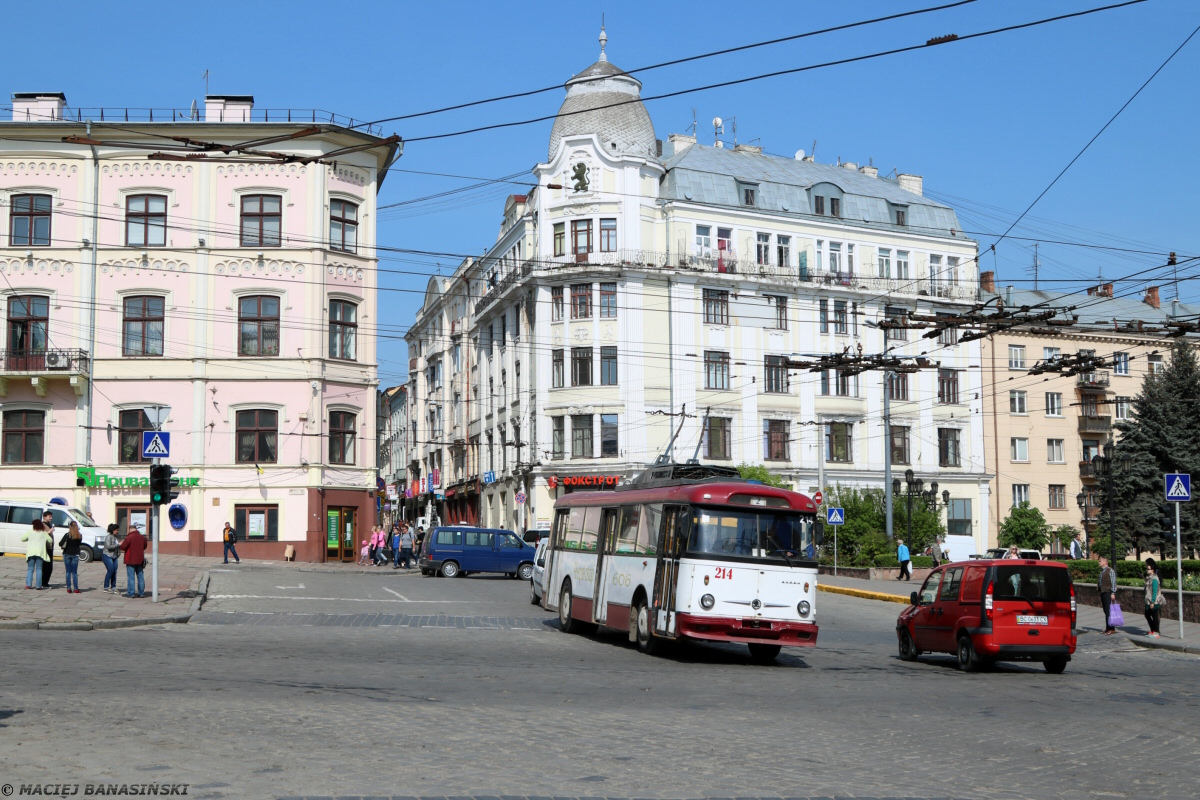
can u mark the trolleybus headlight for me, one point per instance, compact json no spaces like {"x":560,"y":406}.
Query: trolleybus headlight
{"x":707,"y":602}
{"x":804,"y":607}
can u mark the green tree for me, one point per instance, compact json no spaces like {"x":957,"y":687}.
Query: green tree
{"x":758,"y":472}
{"x":1064,"y":535}
{"x":1024,"y":527}
{"x":863,"y":537}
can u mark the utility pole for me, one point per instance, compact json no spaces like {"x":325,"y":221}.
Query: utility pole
{"x":887,"y":452}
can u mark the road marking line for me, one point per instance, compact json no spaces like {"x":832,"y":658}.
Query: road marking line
{"x":301,"y":586}
{"x":341,"y":599}
{"x":402,"y":597}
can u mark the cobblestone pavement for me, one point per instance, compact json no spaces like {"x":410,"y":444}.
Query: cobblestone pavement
{"x":295,"y":709}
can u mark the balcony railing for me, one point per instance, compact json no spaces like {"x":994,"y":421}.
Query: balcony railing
{"x":1093,"y":424}
{"x":1087,"y":469}
{"x":1092,"y":380}
{"x":119,"y":114}
{"x":44,"y":362}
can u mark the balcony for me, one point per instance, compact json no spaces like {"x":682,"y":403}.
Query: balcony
{"x":1092,"y":380}
{"x":1087,"y":469}
{"x":1095,"y":424}
{"x":43,"y":366}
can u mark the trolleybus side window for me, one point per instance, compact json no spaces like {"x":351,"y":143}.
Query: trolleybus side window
{"x":591,"y":530}
{"x":574,"y":532}
{"x":560,"y":529}
{"x":610,"y":522}
{"x":627,"y":537}
{"x":648,"y":527}
{"x":674,"y":532}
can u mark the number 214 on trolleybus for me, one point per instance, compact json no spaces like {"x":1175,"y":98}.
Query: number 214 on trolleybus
{"x":687,"y":552}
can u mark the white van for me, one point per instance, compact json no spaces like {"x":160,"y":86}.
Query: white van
{"x":17,"y":516}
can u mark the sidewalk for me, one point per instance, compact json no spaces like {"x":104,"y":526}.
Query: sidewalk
{"x":1088,"y":618}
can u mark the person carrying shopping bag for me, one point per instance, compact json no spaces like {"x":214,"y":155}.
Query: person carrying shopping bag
{"x":1107,"y":587}
{"x":1155,"y":599}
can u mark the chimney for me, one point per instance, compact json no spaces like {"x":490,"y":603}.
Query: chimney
{"x":228,"y":107}
{"x":911,"y":183}
{"x":870,"y":172}
{"x":38,"y":106}
{"x":987,"y":281}
{"x":849,"y":165}
{"x":1105,"y":290}
{"x":677,"y":143}
{"x":1151,"y":298}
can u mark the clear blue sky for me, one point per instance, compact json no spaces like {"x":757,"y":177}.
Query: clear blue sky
{"x":988,"y":123}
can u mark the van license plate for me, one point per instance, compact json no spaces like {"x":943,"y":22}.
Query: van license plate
{"x":1029,"y":619}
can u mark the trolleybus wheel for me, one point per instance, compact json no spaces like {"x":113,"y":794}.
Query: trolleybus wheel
{"x":647,"y":642}
{"x":764,"y":653}
{"x":566,"y":622}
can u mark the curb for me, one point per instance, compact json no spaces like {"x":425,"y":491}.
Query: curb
{"x":886,"y":598}
{"x":200,"y":586}
{"x":1159,"y":644}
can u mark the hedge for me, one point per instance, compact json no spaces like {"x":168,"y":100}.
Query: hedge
{"x":1088,"y":570}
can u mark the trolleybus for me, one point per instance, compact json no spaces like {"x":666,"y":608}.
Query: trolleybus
{"x":687,"y":552}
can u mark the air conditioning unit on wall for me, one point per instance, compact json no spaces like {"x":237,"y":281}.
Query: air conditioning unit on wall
{"x":56,"y":359}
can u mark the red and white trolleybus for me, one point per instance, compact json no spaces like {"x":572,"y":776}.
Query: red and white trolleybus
{"x":687,"y":552}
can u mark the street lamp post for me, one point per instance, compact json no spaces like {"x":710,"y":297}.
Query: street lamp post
{"x":915,"y":487}
{"x":1106,"y":466}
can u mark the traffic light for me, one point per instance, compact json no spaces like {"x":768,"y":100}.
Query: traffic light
{"x":162,"y":485}
{"x":1167,"y":521}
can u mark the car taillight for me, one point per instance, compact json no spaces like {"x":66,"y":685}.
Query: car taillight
{"x":987,"y":600}
{"x":1072,"y":605}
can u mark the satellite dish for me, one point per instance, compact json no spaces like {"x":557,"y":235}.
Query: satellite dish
{"x":799,"y":155}
{"x":716,"y":122}
{"x":194,"y":114}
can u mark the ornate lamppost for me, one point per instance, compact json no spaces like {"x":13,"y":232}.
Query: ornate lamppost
{"x":915,"y":488}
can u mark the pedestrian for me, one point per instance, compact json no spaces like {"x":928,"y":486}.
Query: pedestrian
{"x":381,"y":539}
{"x":406,"y":548}
{"x":48,"y":564}
{"x":373,"y":544}
{"x":396,"y":546}
{"x":1012,"y":554}
{"x":905,"y":561}
{"x":35,"y":554}
{"x":364,"y":553}
{"x":1076,"y":547}
{"x":1155,"y":599}
{"x":420,"y":539}
{"x":71,"y":543}
{"x":229,"y":540}
{"x":134,"y":546}
{"x":109,"y":555}
{"x":933,"y":554}
{"x":1107,"y":587}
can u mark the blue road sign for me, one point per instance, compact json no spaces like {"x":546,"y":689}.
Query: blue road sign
{"x":156,"y":444}
{"x":1179,"y":486}
{"x":489,"y":477}
{"x":835,"y":516}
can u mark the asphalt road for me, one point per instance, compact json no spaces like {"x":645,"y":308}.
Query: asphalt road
{"x":318,"y":684}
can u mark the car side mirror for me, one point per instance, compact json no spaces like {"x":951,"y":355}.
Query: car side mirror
{"x":914,"y":599}
{"x":819,"y":533}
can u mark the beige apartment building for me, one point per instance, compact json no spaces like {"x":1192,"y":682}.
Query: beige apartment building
{"x":1042,"y":430}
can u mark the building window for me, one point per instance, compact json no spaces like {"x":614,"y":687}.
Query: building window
{"x":1020,"y":494}
{"x":131,"y":424}
{"x":343,"y":329}
{"x":560,"y":238}
{"x":341,"y":437}
{"x":775,"y":377}
{"x":261,"y":220}
{"x":24,"y":436}
{"x":897,"y":319}
{"x":608,"y":436}
{"x":1055,"y":452}
{"x":142,"y":327}
{"x":747,"y":196}
{"x":902,"y":265}
{"x":947,"y":386}
{"x":1016,"y":356}
{"x":900,"y":445}
{"x":29,"y":220}
{"x":901,"y":217}
{"x":716,"y":369}
{"x":835,"y":258}
{"x":716,"y":437}
{"x":958,"y":517}
{"x":844,"y":384}
{"x":885,"y":263}
{"x":28,"y":323}
{"x":343,"y":226}
{"x":1155,"y":364}
{"x":1121,"y":363}
{"x":256,"y":523}
{"x":1051,"y":353}
{"x":835,"y":207}
{"x":840,"y":324}
{"x":581,"y":436}
{"x":1016,"y":402}
{"x":581,"y":366}
{"x":783,"y":251}
{"x":780,"y":304}
{"x":1058,"y":495}
{"x":558,"y":437}
{"x":703,"y":240}
{"x":608,"y":366}
{"x":716,"y":306}
{"x":898,"y":386}
{"x":1122,"y":407}
{"x":948,"y":448}
{"x":556,"y":369}
{"x":608,"y":300}
{"x":581,"y":301}
{"x":608,"y":236}
{"x":823,"y":315}
{"x":775,"y":440}
{"x":581,"y":236}
{"x":258,"y":326}
{"x":145,"y":220}
{"x":257,"y":434}
{"x":1053,"y":404}
{"x":819,"y":205}
{"x":1018,"y":448}
{"x":556,"y":303}
{"x":762,"y":249}
{"x":838,"y":441}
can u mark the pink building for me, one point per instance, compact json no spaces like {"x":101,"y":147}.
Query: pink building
{"x":238,"y":287}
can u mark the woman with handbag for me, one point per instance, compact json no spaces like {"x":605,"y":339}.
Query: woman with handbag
{"x":111,"y":555}
{"x":1155,"y":599}
{"x":71,"y":543}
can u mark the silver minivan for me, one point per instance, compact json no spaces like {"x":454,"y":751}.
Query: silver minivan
{"x":17,"y":516}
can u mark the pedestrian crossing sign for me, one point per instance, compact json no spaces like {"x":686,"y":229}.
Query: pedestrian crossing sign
{"x":156,"y":444}
{"x":1179,"y":486}
{"x":835,"y":516}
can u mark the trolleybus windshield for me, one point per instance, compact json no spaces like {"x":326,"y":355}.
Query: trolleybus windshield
{"x":750,"y":534}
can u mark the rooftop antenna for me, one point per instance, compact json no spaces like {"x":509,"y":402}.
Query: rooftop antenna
{"x":718,"y":129}
{"x":733,"y":126}
{"x":693,"y":123}
{"x":1173,"y":262}
{"x":1036,"y":264}
{"x":814,"y":150}
{"x":205,"y":78}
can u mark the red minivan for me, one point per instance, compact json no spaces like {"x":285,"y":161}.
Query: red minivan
{"x":993,"y":610}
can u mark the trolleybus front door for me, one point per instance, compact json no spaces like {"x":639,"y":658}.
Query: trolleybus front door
{"x":610,"y":521}
{"x":671,"y":542}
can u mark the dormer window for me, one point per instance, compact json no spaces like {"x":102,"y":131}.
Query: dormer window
{"x":835,"y":207}
{"x":748,"y":193}
{"x":819,"y":205}
{"x":899,"y":215}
